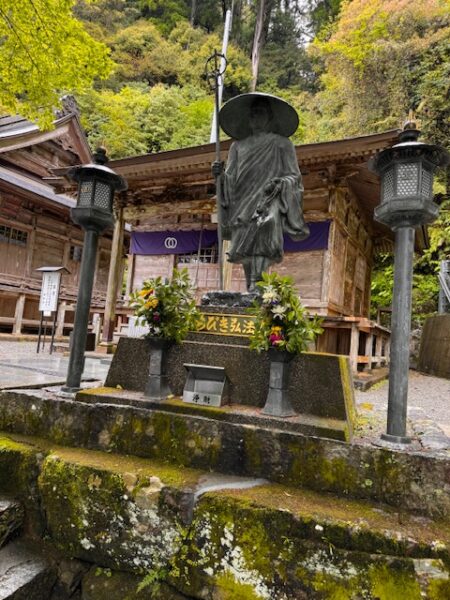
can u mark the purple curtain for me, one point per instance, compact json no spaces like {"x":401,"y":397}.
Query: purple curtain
{"x":184,"y":242}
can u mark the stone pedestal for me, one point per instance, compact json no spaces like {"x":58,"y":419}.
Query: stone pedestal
{"x":157,"y":386}
{"x":229,"y":299}
{"x":277,"y":403}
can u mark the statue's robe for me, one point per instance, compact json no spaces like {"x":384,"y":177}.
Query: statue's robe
{"x":255,"y":220}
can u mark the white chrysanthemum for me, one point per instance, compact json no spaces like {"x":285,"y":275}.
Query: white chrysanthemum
{"x":270,"y":295}
{"x":278,"y":311}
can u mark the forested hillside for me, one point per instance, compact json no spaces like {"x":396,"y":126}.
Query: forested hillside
{"x":136,"y":67}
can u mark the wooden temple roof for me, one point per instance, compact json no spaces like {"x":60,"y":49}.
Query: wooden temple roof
{"x":184,"y":176}
{"x":28,"y":155}
{"x":26,"y":148}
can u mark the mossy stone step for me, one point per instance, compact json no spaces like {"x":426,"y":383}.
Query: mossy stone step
{"x":273,"y":542}
{"x":24,"y":573}
{"x":103,"y":584}
{"x":11,"y":518}
{"x":345,"y":523}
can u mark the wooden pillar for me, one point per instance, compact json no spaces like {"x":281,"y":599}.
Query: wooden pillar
{"x":113,"y":284}
{"x":60,"y":319}
{"x":130,"y":275}
{"x":368,"y":351}
{"x":387,"y":350}
{"x":18,"y":314}
{"x":378,"y":346}
{"x":30,"y":250}
{"x":354,"y":343}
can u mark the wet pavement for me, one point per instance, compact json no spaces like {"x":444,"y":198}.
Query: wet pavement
{"x":21,"y":366}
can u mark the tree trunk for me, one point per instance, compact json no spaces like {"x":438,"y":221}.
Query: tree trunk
{"x":193,"y":12}
{"x":261,"y":27}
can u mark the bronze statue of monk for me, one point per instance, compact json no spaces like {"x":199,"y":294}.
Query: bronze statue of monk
{"x":262,"y":188}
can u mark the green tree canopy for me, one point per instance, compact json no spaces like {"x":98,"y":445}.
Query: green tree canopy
{"x":44,"y":53}
{"x":381,"y":59}
{"x":141,"y":119}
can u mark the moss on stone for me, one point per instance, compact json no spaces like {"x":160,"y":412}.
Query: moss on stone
{"x":97,"y":391}
{"x":282,"y":542}
{"x":439,"y":589}
{"x":349,"y":523}
{"x":227,"y":588}
{"x":310,"y":467}
{"x":252,"y":449}
{"x":92,"y":514}
{"x":393,"y":583}
{"x":331,"y":589}
{"x":18,"y":467}
{"x":349,"y":396}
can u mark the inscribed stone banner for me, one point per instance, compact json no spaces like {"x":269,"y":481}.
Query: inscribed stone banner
{"x":226,"y":324}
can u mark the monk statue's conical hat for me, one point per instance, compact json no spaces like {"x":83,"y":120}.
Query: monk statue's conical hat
{"x":234,"y":115}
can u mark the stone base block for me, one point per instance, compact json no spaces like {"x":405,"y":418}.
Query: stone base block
{"x":320,"y":385}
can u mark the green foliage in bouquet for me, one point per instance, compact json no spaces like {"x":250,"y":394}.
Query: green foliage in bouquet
{"x":167,"y":307}
{"x":281,"y":320}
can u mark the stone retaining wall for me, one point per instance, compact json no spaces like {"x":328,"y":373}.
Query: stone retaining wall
{"x":404,"y":479}
{"x":138,"y":521}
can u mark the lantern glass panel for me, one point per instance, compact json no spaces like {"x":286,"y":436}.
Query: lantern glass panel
{"x":407,"y":179}
{"x":102,"y":196}
{"x":427,"y":183}
{"x":388,"y":185}
{"x":85,"y":193}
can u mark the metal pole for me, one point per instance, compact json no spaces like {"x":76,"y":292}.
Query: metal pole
{"x":223,"y":66}
{"x":218,"y":182}
{"x":53,"y":332}
{"x":79,"y":333}
{"x":401,"y":328}
{"x":45,"y":332}
{"x":40,"y":332}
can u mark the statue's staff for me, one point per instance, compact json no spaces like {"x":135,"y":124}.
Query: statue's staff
{"x":214,"y":73}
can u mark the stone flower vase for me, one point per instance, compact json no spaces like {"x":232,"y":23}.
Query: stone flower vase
{"x":277,"y":402}
{"x":157,"y":386}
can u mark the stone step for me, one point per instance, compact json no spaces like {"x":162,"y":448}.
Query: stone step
{"x":281,"y":543}
{"x":11,"y":518}
{"x":195,"y":530}
{"x":24,"y":573}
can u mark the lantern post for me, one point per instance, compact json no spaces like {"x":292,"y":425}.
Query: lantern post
{"x":94,"y":213}
{"x":406,"y":171}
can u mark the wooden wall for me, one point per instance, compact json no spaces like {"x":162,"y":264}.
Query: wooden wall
{"x":51,"y":240}
{"x":351,"y":257}
{"x":333,"y":281}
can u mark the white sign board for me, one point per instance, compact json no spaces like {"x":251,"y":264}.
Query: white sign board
{"x":49,"y":291}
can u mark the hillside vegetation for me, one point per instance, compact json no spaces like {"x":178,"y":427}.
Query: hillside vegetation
{"x":137,"y":69}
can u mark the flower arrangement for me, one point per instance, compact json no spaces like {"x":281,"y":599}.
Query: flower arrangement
{"x":281,"y":320}
{"x":167,"y":307}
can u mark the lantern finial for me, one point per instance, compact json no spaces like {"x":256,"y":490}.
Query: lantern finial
{"x":410,"y":131}
{"x":100,"y":156}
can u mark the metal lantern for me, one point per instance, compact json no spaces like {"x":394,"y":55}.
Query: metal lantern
{"x":94,"y":213}
{"x":406,"y":172}
{"x":96,"y":186}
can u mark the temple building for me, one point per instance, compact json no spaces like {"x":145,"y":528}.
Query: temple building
{"x":170,"y":209}
{"x":35,"y":225}
{"x":170,"y":205}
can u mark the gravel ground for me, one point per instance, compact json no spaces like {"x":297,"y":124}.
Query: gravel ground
{"x":428,"y":412}
{"x":429,"y":394}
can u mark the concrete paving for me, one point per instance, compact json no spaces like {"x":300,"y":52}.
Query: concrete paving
{"x":21,"y":366}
